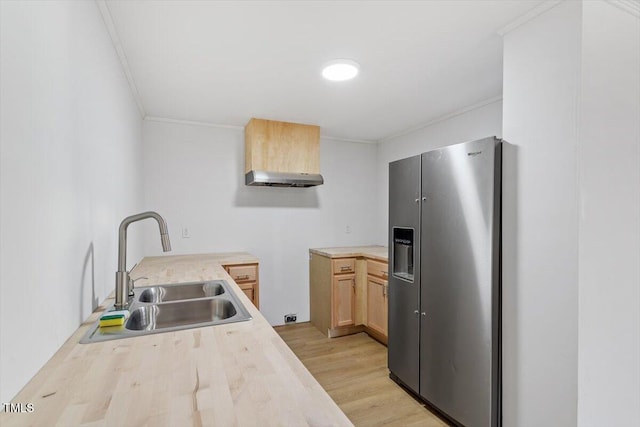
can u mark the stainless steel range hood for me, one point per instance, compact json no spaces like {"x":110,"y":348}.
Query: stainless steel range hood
{"x":282,"y":179}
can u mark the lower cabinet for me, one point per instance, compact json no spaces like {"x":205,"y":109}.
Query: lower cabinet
{"x":348,"y":295}
{"x":377,"y":305}
{"x":377,"y":299}
{"x":344,"y":300}
{"x":246,"y":276}
{"x":249,"y":290}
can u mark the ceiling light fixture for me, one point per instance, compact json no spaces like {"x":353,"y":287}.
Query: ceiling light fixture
{"x":340,"y":70}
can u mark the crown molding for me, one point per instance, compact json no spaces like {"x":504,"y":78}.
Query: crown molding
{"x":528,"y":16}
{"x":191,"y":123}
{"x":233,"y":127}
{"x":443,"y":118}
{"x":355,"y":141}
{"x":113,"y":34}
{"x":629,"y":6}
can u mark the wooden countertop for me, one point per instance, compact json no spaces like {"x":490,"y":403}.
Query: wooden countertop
{"x":232,"y":374}
{"x":375,"y":252}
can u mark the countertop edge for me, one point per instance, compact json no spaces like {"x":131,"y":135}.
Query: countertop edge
{"x":351,"y":252}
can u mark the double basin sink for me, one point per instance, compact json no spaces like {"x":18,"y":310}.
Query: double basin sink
{"x":166,"y":308}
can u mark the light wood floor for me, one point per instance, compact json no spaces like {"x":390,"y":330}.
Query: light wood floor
{"x":353,"y":370}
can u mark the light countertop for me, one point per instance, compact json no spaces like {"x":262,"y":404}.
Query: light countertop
{"x":231,"y":374}
{"x":375,"y":252}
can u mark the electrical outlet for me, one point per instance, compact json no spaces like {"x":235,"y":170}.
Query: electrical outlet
{"x":348,"y":229}
{"x":185,"y":233}
{"x":289,"y":318}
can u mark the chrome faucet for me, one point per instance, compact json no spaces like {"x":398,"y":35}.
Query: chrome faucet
{"x":124,"y":285}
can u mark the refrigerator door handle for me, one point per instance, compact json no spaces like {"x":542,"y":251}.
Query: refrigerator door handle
{"x":416,"y":312}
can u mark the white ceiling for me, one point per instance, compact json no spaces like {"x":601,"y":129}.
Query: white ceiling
{"x":223,"y":62}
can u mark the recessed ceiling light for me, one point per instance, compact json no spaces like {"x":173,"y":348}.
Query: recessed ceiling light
{"x":340,"y":70}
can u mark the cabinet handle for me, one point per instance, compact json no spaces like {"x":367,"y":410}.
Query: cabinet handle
{"x":345,"y":268}
{"x":384,"y":291}
{"x":384,"y":273}
{"x":244,"y":277}
{"x":353,"y":284}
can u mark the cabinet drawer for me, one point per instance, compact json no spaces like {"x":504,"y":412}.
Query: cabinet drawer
{"x":378,"y":269}
{"x":243,"y":273}
{"x":344,"y":265}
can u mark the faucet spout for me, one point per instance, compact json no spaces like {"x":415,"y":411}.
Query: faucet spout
{"x":124,"y":287}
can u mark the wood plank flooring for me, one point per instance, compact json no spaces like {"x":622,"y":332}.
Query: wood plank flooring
{"x":353,"y":370}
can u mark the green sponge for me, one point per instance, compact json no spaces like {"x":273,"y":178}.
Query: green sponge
{"x":113,"y":318}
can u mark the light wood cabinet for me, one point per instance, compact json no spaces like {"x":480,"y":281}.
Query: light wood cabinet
{"x":377,"y":269}
{"x":332,"y":289}
{"x":349,"y":295}
{"x":377,"y":299}
{"x":247,"y":278}
{"x":377,"y":305}
{"x":343,"y":300}
{"x":344,"y":265}
{"x":281,"y":147}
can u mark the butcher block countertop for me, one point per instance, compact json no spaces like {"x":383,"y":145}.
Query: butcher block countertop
{"x":225,"y":375}
{"x":375,"y":252}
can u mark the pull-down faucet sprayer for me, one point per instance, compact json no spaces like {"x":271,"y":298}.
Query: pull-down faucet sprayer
{"x":124,"y":287}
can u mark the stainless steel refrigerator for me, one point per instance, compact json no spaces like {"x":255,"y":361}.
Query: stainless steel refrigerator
{"x":444,"y":289}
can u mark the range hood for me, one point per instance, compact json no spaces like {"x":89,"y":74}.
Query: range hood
{"x":282,"y":154}
{"x":282,"y":179}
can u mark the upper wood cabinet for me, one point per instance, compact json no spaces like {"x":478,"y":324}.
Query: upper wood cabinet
{"x":281,"y":147}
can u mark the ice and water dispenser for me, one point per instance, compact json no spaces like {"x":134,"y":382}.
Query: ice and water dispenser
{"x":403,"y":240}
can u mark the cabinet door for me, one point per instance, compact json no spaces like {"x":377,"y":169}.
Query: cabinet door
{"x":377,"y":311}
{"x":249,"y":290}
{"x":343,"y":300}
{"x":249,"y":293}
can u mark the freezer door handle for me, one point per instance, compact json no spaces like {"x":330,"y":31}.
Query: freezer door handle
{"x":416,"y":312}
{"x":423,"y":313}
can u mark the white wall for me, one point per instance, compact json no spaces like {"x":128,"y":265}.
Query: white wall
{"x":474,"y":124}
{"x":540,"y":223}
{"x":609,"y":242}
{"x":194,"y":177}
{"x":70,"y":152}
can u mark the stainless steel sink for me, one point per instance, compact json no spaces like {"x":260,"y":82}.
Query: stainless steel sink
{"x":162,"y":316}
{"x":166,"y":308}
{"x":165,"y":293}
